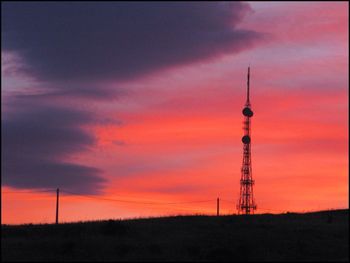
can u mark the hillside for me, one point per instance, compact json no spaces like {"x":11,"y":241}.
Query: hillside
{"x":311,"y":236}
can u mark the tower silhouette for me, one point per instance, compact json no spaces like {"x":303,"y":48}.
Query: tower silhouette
{"x":246,"y":204}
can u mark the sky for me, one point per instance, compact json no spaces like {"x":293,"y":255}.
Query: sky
{"x":134,"y":109}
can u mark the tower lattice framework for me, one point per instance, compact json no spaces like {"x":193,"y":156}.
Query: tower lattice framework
{"x":246,"y":204}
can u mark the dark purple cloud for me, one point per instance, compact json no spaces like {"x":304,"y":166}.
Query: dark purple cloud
{"x":35,"y":138}
{"x":120,"y":40}
{"x":72,"y":49}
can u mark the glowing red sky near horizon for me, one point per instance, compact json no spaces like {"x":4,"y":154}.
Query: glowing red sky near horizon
{"x":180,"y":134}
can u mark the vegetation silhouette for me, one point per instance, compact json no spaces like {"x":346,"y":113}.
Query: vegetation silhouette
{"x":283,"y":237}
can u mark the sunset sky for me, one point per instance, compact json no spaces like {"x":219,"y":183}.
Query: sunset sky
{"x":141,"y":102}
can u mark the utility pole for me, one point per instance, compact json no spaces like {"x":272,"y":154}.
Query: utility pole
{"x":217,"y":206}
{"x":57,"y":198}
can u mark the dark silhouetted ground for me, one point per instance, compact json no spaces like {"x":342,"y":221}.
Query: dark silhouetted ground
{"x":285,"y":237}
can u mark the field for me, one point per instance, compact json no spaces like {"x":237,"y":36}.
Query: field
{"x":285,"y":237}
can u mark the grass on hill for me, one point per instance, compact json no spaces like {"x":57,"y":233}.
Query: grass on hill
{"x":284,"y":237}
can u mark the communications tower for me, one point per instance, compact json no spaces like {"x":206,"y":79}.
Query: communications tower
{"x":246,"y":204}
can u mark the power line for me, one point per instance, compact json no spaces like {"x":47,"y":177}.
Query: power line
{"x":28,"y":191}
{"x":107,"y":199}
{"x":136,"y":202}
{"x":149,"y":202}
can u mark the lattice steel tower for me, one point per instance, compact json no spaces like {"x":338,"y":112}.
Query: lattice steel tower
{"x":246,"y":204}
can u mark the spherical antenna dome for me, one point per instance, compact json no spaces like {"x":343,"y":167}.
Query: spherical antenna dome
{"x":247,"y":112}
{"x":246,"y":139}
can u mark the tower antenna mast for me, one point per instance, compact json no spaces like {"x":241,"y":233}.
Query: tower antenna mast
{"x":246,"y":203}
{"x":248,"y":78}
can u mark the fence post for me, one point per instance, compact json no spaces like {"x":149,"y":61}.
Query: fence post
{"x":217,"y":206}
{"x":57,"y":198}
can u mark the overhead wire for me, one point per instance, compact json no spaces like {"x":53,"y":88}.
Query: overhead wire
{"x":137,"y":202}
{"x":28,"y":191}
